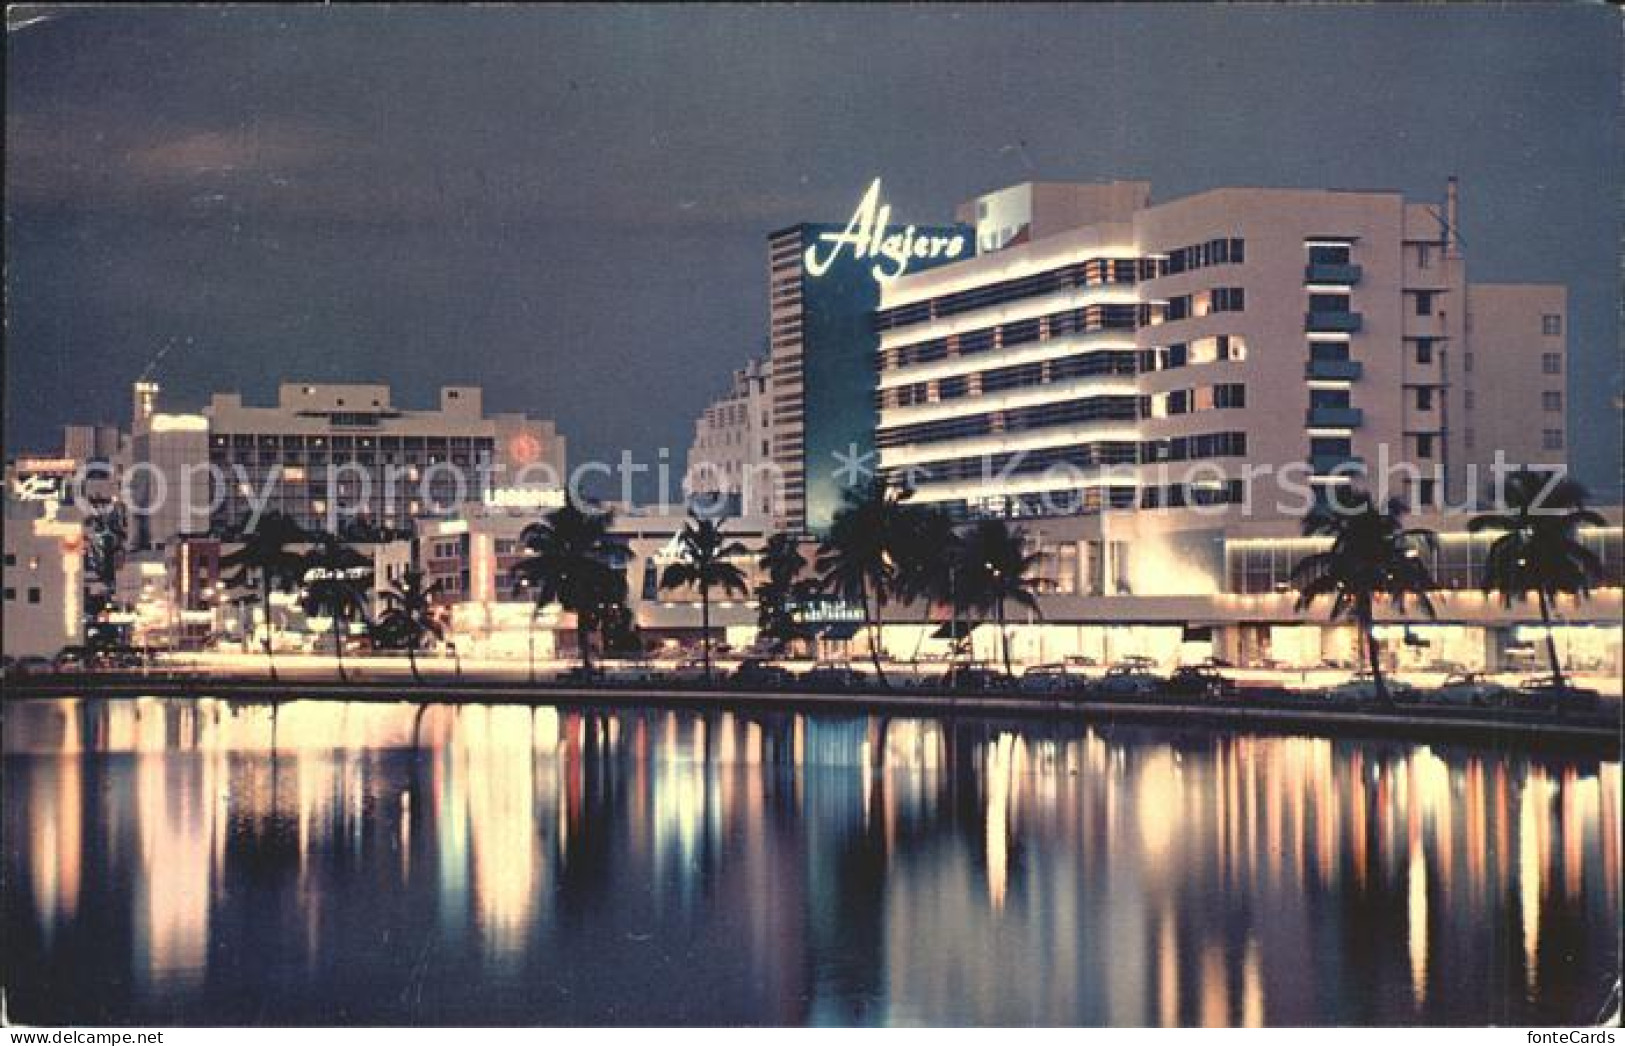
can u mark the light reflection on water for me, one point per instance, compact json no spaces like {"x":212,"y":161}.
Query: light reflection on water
{"x":209,"y":861}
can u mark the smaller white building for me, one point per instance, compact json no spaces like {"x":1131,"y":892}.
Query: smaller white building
{"x":730,"y":463}
{"x":44,"y":581}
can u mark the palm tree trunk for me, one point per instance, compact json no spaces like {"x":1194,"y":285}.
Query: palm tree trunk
{"x":705,"y":629}
{"x":338,"y":644}
{"x":412,"y":660}
{"x":265,"y":612}
{"x":530,"y":647}
{"x":1004,"y":642}
{"x":1369,"y":634}
{"x":584,"y":642}
{"x":874,"y":639}
{"x":1551,"y":644}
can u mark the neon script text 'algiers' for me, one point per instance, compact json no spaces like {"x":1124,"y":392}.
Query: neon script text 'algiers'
{"x":867,"y":236}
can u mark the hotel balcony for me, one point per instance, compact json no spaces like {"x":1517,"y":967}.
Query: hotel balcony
{"x":1340,"y":464}
{"x":1341,"y":275}
{"x":1346,"y":322}
{"x":1333,"y":370}
{"x":1335,"y":417}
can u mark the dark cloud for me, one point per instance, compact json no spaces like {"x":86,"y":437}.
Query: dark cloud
{"x":569,"y":205}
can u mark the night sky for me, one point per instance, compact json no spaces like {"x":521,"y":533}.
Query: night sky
{"x":569,"y":206}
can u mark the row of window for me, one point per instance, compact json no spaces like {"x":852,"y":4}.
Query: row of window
{"x":1041,"y":328}
{"x":1226,"y":396}
{"x":1200,"y":256}
{"x":1194,"y":448}
{"x":241,"y":441}
{"x":1217,"y":349}
{"x":294,"y":461}
{"x":1000,"y":379}
{"x":1205,"y":303}
{"x":33,"y":595}
{"x":1181,"y":495}
{"x":1093,"y":273}
{"x":1080,"y":501}
{"x":1017,"y":419}
{"x":1017,"y":463}
{"x":1453,"y":564}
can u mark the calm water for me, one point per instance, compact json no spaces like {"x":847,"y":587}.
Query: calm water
{"x":220,"y":862}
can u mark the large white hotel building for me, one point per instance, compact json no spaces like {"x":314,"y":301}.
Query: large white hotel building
{"x":1157,"y":391}
{"x":1326,"y":330}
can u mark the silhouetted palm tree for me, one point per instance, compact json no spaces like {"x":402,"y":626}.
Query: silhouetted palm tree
{"x":857,"y":559}
{"x":410,"y":616}
{"x":995,"y":569}
{"x":337,"y":579}
{"x":928,"y":560}
{"x":106,"y":528}
{"x":705,"y":552}
{"x":265,"y":554}
{"x":1372,"y":556}
{"x":781,"y":564}
{"x":573,"y":563}
{"x":1539,"y":547}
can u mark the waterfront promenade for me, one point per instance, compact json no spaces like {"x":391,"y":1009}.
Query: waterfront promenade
{"x":1271,"y":708}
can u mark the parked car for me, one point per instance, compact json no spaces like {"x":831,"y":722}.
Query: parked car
{"x":72,"y":659}
{"x":834,"y":675}
{"x":691,"y":670}
{"x":1129,"y":680}
{"x":975,"y":679}
{"x":1200,"y":681}
{"x":1081,"y":661}
{"x":630,"y":672}
{"x":1542,"y":692}
{"x":33,"y":666}
{"x":1468,"y":688}
{"x":1363,"y":687}
{"x":759,"y":673}
{"x":1054,"y":680}
{"x":578,"y":674}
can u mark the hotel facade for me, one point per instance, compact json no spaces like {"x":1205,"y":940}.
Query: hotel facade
{"x":1157,"y":392}
{"x":325,"y":454}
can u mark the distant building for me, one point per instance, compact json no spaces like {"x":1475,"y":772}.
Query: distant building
{"x":43,"y":580}
{"x":730,"y":462}
{"x":327,"y":454}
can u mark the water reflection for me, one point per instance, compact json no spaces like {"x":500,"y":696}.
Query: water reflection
{"x":303,"y":862}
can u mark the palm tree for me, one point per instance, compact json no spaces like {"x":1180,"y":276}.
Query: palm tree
{"x":995,"y":569}
{"x":1372,"y":555}
{"x":106,"y":528}
{"x":265,"y":554}
{"x":1539,"y":547}
{"x":573,"y":563}
{"x":928,"y":556}
{"x":336,"y":582}
{"x":705,"y":553}
{"x":781,"y":564}
{"x":857,"y":559}
{"x":410,"y":616}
